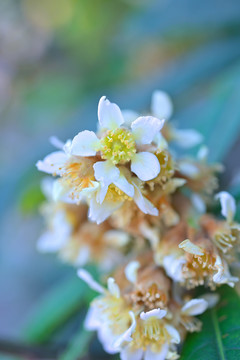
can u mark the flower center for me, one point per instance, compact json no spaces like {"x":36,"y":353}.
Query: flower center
{"x":78,"y":175}
{"x":118,"y":146}
{"x":198,"y":269}
{"x":150,"y":333}
{"x":150,"y":299}
{"x":114,"y":312}
{"x":114,"y":194}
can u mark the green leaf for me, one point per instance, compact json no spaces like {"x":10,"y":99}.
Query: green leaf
{"x":31,"y":199}
{"x":220,"y":335}
{"x":78,"y":346}
{"x":216,"y":113}
{"x":59,"y":305}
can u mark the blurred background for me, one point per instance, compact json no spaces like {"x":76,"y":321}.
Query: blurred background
{"x":57,"y":58}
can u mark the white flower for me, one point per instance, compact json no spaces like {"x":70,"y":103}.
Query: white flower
{"x":108,"y":314}
{"x":218,"y":269}
{"x":228,"y":205}
{"x":119,"y":145}
{"x":135,"y":335}
{"x":76,"y":172}
{"x":104,"y":200}
{"x":149,"y":330}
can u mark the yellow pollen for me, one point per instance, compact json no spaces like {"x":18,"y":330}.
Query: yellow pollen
{"x":118,"y":146}
{"x":150,"y":332}
{"x":78,"y":175}
{"x":115,"y":194}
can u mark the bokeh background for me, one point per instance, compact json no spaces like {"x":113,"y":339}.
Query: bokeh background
{"x":57,"y":57}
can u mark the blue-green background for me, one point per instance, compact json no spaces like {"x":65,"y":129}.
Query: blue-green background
{"x":56,"y":59}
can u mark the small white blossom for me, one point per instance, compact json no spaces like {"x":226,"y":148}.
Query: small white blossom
{"x":118,"y":145}
{"x":104,"y":200}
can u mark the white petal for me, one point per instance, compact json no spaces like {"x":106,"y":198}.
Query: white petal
{"x":49,"y":242}
{"x":128,"y":353}
{"x":92,"y":320}
{"x":127,"y":335}
{"x":188,"y":169}
{"x":150,"y":355}
{"x":160,"y":141}
{"x":191,"y":248}
{"x":107,"y":338}
{"x":100,"y":212}
{"x":145,"y":165}
{"x":113,"y":288}
{"x":173,"y":333}
{"x":145,"y":128}
{"x":58,"y":190}
{"x":223,"y":275}
{"x":157,"y":313}
{"x":194,"y":307}
{"x":90,"y":191}
{"x":87,"y":277}
{"x":186,"y":138}
{"x":173,"y":266}
{"x":131,"y":271}
{"x":228,"y":205}
{"x":101,"y":194}
{"x":143,"y":203}
{"x":109,"y":114}
{"x":150,"y":233}
{"x":220,"y":270}
{"x":124,"y":185}
{"x":203,"y":153}
{"x":106,"y":172}
{"x":211,"y":299}
{"x":116,"y":238}
{"x":85,"y":143}
{"x":67,"y":147}
{"x":63,"y":193}
{"x":161,"y":105}
{"x":54,"y":140}
{"x":47,"y":187}
{"x":83,"y":256}
{"x":129,"y":116}
{"x":53,"y":163}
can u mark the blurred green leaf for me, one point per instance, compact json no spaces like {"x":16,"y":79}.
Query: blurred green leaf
{"x":31,"y":199}
{"x":78,"y":346}
{"x":61,"y":303}
{"x":220,"y":335}
{"x":216,"y":113}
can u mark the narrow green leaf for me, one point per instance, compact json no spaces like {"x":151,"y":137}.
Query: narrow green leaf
{"x":220,"y":335}
{"x":63,"y":301}
{"x":78,"y":346}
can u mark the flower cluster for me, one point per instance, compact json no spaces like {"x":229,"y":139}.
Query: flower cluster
{"x":124,"y":200}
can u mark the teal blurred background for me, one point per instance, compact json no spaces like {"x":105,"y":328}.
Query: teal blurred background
{"x":57,"y":58}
